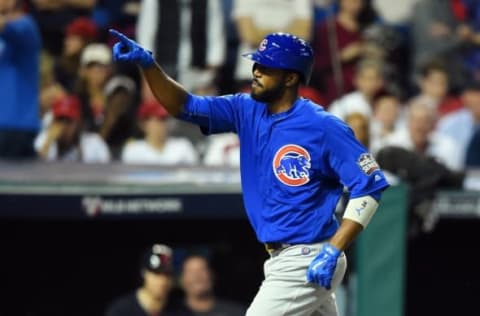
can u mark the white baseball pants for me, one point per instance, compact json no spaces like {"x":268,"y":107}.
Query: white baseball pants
{"x":285,"y":291}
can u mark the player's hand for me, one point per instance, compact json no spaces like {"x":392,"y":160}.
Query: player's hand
{"x":323,"y":267}
{"x":129,"y":50}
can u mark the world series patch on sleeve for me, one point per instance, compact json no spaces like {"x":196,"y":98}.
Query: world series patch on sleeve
{"x":368,"y":164}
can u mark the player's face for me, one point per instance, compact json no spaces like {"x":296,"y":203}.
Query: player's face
{"x":268,"y":84}
{"x":158,"y":285}
{"x":196,"y":277}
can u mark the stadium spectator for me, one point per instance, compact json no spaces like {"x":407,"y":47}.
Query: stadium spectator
{"x":120,"y":106}
{"x":398,"y":13}
{"x":152,"y":297}
{"x":462,"y":124}
{"x":157,"y":147}
{"x":121,"y":14}
{"x":419,"y":136}
{"x":95,"y":70}
{"x":256,"y":18}
{"x":20,"y":46}
{"x":339,"y":46}
{"x":473,"y":150}
{"x":434,"y":83}
{"x":386,"y":119}
{"x":53,"y":16}
{"x":368,"y":82}
{"x":59,"y":74}
{"x":438,"y":32}
{"x":197,"y":281}
{"x":222,"y":150}
{"x":360,"y":124}
{"x":65,"y":140}
{"x":187,"y":37}
{"x":469,"y":14}
{"x":78,"y":34}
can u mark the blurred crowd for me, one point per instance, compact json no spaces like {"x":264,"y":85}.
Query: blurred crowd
{"x":156,"y":294}
{"x":403,"y":74}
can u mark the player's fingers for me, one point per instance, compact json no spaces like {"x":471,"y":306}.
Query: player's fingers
{"x":310,"y":277}
{"x":123,"y":57}
{"x":118,"y":49}
{"x":120,"y":36}
{"x":326,"y":282}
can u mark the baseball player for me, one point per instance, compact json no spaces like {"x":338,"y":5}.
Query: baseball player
{"x":295,"y":160}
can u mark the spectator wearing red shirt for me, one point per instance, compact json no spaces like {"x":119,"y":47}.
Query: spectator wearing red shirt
{"x":338,"y":46}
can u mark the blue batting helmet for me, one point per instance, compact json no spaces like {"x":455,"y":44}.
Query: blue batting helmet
{"x":284,"y":51}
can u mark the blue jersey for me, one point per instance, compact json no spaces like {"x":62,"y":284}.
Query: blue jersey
{"x":20,"y":46}
{"x":294,"y":165}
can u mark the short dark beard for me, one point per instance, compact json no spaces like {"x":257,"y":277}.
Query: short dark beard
{"x":270,"y":95}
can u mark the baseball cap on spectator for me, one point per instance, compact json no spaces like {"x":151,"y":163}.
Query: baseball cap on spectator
{"x":82,"y":27}
{"x":152,"y":109}
{"x":96,"y":53}
{"x":119,"y":82}
{"x":67,"y":107}
{"x":158,"y":259}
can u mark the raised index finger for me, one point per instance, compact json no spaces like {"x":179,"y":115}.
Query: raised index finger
{"x":119,"y":36}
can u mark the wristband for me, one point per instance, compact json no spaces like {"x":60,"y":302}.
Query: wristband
{"x":361,"y":210}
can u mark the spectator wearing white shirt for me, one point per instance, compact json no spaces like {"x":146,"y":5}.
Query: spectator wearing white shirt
{"x":386,"y":119}
{"x":256,"y":18}
{"x":65,"y":140}
{"x":419,"y":136}
{"x":157,"y":147}
{"x":222,"y":150}
{"x":461,"y":125}
{"x":369,"y":82}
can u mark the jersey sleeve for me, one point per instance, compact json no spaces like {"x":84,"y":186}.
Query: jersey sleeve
{"x":350,"y":161}
{"x":214,"y":114}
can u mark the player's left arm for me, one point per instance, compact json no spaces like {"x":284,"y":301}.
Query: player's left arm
{"x":360,"y":173}
{"x":358,"y":213}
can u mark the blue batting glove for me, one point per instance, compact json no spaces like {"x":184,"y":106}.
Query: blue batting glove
{"x":322,"y":268}
{"x":129,"y":50}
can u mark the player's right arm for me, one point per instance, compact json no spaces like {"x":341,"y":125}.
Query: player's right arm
{"x":166,"y":90}
{"x":213,"y":114}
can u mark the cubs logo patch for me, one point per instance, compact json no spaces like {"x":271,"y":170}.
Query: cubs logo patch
{"x":291,"y":165}
{"x":263,"y":45}
{"x":367,"y":163}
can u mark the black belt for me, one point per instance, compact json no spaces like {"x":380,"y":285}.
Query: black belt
{"x":274,"y":246}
